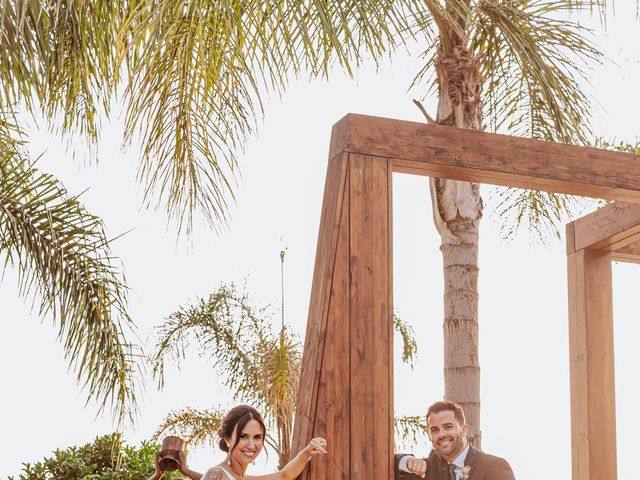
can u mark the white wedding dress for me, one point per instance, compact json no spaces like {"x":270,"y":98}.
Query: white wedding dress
{"x":229,"y":476}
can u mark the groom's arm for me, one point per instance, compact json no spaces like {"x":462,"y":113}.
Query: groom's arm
{"x":401,"y":470}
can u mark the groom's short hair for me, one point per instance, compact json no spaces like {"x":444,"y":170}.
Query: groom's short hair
{"x":438,"y":407}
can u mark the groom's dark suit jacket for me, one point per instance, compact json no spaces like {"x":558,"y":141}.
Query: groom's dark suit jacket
{"x":483,"y":467}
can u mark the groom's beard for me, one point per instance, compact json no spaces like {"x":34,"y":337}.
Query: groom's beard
{"x":449,"y":446}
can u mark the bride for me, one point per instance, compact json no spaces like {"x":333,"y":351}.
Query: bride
{"x":242,"y":434}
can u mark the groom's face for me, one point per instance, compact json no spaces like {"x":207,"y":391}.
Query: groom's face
{"x":448,"y":437}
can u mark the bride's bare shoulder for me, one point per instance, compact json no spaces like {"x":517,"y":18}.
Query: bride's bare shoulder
{"x":214,"y":473}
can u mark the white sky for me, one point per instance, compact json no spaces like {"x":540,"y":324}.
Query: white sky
{"x":523,"y":312}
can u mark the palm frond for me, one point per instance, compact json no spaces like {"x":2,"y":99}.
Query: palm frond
{"x":542,"y":213}
{"x":618,"y":146}
{"x":227,"y":329}
{"x":62,"y":54}
{"x":63,"y":261}
{"x":533,"y":63}
{"x":410,"y":430}
{"x":260,"y":367}
{"x":409,"y":344}
{"x":199,"y":71}
{"x":195,"y":427}
{"x":19,"y":69}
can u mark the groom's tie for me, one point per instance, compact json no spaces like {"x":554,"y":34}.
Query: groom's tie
{"x":452,"y":471}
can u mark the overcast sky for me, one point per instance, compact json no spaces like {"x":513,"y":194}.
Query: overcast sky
{"x":523,"y":311}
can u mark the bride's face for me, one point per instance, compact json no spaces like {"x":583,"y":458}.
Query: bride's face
{"x":249,"y":444}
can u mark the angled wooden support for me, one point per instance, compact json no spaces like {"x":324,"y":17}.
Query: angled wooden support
{"x":346,"y":388}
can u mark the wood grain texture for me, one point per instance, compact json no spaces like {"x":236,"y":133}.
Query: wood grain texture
{"x":371,"y":370}
{"x":361,"y":300}
{"x":319,"y":304}
{"x":611,"y":227}
{"x":570,"y":237}
{"x":390,"y":330}
{"x":346,"y":387}
{"x":630,"y":253}
{"x":593,"y":422}
{"x":332,"y":408}
{"x":471,"y":155}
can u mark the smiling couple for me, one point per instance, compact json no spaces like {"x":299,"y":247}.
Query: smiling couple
{"x":452,"y":457}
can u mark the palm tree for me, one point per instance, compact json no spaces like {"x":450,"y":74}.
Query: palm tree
{"x":521,"y":63}
{"x":261,"y":366}
{"x":63,"y":261}
{"x":194,"y":73}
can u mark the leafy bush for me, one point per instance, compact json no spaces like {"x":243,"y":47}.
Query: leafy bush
{"x":97,"y":461}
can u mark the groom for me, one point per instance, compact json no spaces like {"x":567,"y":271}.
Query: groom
{"x":452,"y":458}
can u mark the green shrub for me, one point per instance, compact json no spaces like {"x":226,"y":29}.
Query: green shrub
{"x":97,"y":461}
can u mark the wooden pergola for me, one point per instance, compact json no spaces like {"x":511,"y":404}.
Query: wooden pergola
{"x":346,"y":387}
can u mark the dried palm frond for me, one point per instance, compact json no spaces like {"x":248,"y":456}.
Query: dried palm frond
{"x":195,"y":427}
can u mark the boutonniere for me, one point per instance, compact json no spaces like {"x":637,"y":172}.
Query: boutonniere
{"x":463,"y":473}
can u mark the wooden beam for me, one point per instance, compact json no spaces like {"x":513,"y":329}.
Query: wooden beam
{"x":593,"y":419}
{"x":630,"y":253}
{"x":610,"y":228}
{"x":346,"y":386}
{"x":471,"y":155}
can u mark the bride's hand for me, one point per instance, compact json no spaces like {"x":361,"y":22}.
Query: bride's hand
{"x":317,"y":446}
{"x":158,"y":474}
{"x":182,"y":462}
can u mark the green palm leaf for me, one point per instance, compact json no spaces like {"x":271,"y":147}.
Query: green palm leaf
{"x":63,"y":261}
{"x":59,"y":57}
{"x":533,"y":62}
{"x":199,"y":71}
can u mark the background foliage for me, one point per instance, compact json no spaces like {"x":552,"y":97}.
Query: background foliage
{"x":106,"y":458}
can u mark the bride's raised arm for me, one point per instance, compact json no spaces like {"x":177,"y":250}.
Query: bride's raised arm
{"x":297,"y":464}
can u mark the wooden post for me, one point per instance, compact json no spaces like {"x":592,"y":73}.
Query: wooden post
{"x":593,"y":416}
{"x":346,"y":386}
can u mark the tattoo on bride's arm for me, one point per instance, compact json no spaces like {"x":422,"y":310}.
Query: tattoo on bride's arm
{"x":213,"y":474}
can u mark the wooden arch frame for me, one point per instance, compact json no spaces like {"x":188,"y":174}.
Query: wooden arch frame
{"x":593,"y":241}
{"x":346,"y":386}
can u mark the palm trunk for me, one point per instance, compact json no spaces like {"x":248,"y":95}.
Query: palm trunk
{"x":457,"y":211}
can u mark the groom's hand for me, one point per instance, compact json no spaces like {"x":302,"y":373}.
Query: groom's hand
{"x":417,"y":466}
